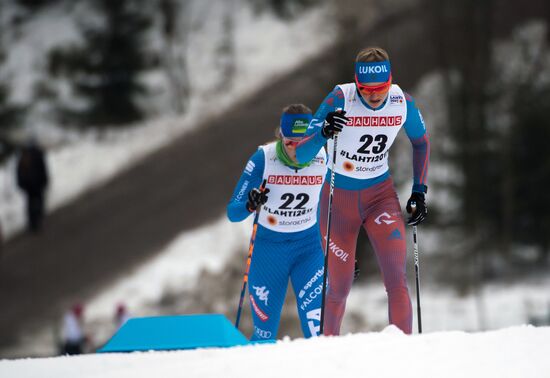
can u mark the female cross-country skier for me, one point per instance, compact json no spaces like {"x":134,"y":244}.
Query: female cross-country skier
{"x":367,"y":115}
{"x":288,"y":241}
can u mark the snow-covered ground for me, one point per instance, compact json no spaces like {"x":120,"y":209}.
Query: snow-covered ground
{"x":514,"y":352}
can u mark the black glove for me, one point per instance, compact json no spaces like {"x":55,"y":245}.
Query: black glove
{"x":417,"y":206}
{"x":256,"y":197}
{"x":334,"y":123}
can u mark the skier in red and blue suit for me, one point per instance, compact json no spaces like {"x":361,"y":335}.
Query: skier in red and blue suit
{"x":367,"y":115}
{"x":288,"y":241}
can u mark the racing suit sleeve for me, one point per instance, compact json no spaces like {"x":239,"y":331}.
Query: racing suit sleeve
{"x":416,"y":131}
{"x":313,"y":141}
{"x":250,"y":178}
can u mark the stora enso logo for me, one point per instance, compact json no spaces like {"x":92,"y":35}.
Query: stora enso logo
{"x":396,"y":99}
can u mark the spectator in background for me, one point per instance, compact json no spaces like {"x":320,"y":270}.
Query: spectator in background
{"x":121,"y":315}
{"x":32,"y":178}
{"x":72,"y":331}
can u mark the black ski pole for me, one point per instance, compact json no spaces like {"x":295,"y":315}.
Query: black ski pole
{"x":249,"y":259}
{"x":417,"y":275}
{"x":327,"y":243}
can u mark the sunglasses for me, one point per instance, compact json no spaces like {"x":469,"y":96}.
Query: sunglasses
{"x":372,"y":89}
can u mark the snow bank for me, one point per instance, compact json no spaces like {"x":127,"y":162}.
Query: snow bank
{"x":513,"y":352}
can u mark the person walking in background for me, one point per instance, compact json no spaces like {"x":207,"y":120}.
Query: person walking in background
{"x":288,"y":242}
{"x":367,"y":114}
{"x":121,"y":315}
{"x":73,"y":338}
{"x":32,"y":178}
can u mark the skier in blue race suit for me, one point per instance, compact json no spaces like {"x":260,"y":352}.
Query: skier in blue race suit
{"x":288,"y":241}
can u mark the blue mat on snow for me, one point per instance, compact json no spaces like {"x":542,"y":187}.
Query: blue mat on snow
{"x":175,"y":332}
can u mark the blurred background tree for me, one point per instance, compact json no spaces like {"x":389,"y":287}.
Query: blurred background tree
{"x":529,"y":177}
{"x":284,"y":8}
{"x":36,"y":4}
{"x":497,"y":131}
{"x":10,"y":115}
{"x":105,"y":70}
{"x":176,"y":24}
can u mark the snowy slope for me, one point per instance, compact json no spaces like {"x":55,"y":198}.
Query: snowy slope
{"x":177,"y":269}
{"x":513,"y":352}
{"x":80,"y":161}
